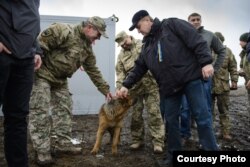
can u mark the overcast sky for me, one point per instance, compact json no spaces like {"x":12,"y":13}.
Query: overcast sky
{"x":231,"y":17}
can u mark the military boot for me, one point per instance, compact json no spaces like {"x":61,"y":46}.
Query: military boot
{"x":44,"y":159}
{"x":225,"y":127}
{"x":136,"y":145}
{"x":227,"y":136}
{"x":158,"y":149}
{"x":67,"y":148}
{"x":248,"y":108}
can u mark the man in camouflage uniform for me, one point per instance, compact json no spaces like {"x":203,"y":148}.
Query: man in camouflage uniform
{"x":146,"y":92}
{"x":66,"y":47}
{"x":221,"y":88}
{"x":245,"y":65}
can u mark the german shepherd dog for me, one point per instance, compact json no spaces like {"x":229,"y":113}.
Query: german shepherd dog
{"x":111,"y":117}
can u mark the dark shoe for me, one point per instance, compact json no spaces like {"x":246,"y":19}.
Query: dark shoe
{"x":44,"y":159}
{"x":183,"y":141}
{"x":186,"y":140}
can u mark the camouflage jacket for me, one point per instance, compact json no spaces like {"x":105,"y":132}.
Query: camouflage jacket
{"x":242,"y":54}
{"x":65,"y":50}
{"x":245,"y":65}
{"x":228,"y":68}
{"x":125,"y":63}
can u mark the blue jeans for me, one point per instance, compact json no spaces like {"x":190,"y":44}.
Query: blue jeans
{"x":208,"y":91}
{"x":196,"y":96}
{"x":185,"y":118}
{"x":186,"y":113}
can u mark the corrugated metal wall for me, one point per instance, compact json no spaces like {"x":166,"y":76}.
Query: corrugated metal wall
{"x":87,"y":99}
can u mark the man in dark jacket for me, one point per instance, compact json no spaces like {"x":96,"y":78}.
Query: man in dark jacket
{"x":179,"y":59}
{"x":217,"y":47}
{"x":20,"y":25}
{"x":248,"y":47}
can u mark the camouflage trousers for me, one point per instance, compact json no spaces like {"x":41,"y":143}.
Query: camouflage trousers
{"x":248,"y":105}
{"x":223,"y":105}
{"x":154,"y":119}
{"x":50,"y":116}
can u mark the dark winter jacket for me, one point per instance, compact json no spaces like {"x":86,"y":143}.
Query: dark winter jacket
{"x":20,"y":26}
{"x":174,"y":53}
{"x":248,"y":47}
{"x":214,"y":45}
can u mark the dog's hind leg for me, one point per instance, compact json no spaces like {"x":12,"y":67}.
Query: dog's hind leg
{"x":116,"y":139}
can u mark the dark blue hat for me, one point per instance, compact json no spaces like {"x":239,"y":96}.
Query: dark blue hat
{"x":244,"y":37}
{"x":137,"y":17}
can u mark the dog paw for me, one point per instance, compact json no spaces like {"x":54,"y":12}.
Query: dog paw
{"x":94,"y":151}
{"x":114,"y":152}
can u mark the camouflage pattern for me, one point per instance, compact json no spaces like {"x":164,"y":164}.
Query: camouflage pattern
{"x":99,"y":24}
{"x":245,"y":65}
{"x":221,"y":88}
{"x":147,"y":94}
{"x":43,"y":96}
{"x":246,"y":68}
{"x":65,"y":50}
{"x":227,"y":71}
{"x":223,"y":108}
{"x":120,"y":38}
{"x":155,"y":123}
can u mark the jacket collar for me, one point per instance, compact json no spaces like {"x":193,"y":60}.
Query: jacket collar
{"x":200,"y":29}
{"x":154,"y":30}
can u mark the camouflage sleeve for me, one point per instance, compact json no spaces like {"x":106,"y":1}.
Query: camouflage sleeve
{"x":232,"y":66}
{"x":53,"y":36}
{"x":120,"y":72}
{"x":220,"y":50}
{"x":95,"y":75}
{"x":246,"y":67}
{"x":241,"y":58}
{"x":241,"y":63}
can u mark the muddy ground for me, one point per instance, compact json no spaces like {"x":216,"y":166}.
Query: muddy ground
{"x":85,"y":128}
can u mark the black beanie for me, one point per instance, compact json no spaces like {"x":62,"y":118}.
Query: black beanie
{"x":244,"y":37}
